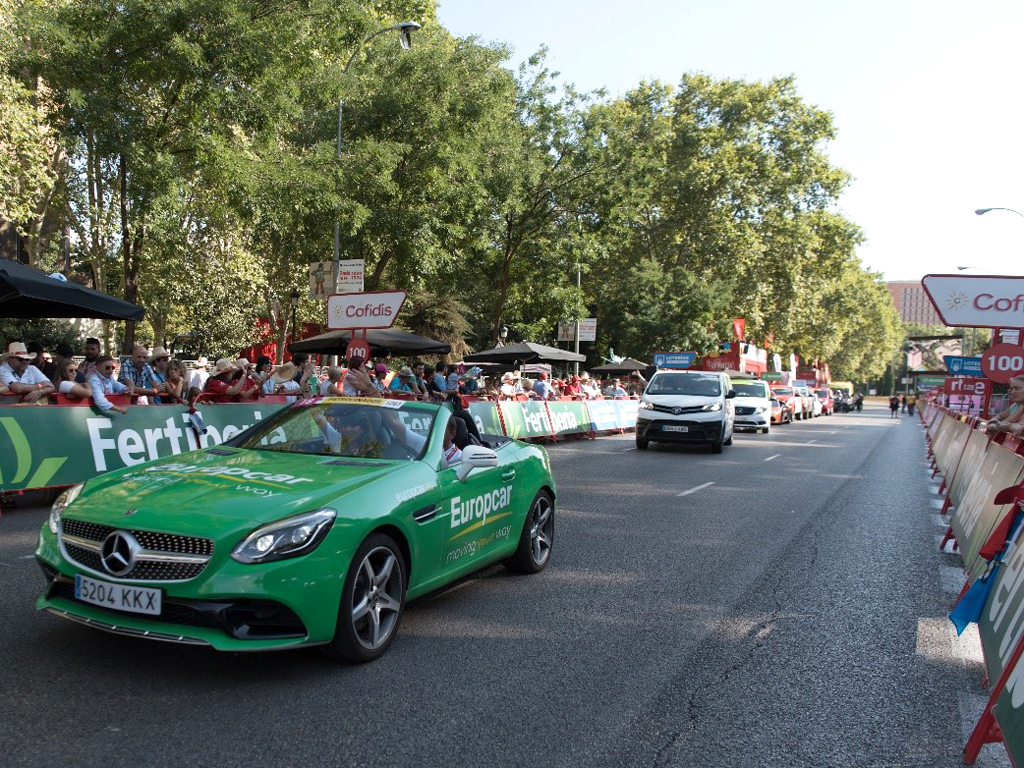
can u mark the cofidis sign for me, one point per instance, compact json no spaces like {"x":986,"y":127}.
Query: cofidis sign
{"x":978,"y":301}
{"x":373,"y":309}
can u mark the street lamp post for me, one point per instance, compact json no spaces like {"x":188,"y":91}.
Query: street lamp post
{"x":405,"y":30}
{"x":983,"y":211}
{"x":293,"y":299}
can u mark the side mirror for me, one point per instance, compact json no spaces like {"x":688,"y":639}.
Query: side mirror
{"x":475,"y":457}
{"x":730,"y":394}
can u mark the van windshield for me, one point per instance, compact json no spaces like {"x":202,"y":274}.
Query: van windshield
{"x":685,"y":384}
{"x":750,"y":389}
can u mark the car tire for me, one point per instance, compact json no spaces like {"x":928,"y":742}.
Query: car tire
{"x":535,"y":541}
{"x":727,"y":441}
{"x":642,"y":443}
{"x":765,"y":430}
{"x":716,"y":446}
{"x":372,"y":602}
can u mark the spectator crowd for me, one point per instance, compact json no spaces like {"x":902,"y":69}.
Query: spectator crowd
{"x":30,"y":375}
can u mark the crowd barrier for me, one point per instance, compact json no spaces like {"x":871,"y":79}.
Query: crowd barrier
{"x":52,"y":446}
{"x":984,"y":497}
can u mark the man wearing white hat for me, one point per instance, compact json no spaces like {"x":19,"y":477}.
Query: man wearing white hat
{"x":21,"y":378}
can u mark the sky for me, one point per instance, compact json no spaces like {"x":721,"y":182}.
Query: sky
{"x":926,"y":98}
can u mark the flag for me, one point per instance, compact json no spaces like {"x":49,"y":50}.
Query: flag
{"x":969,"y":607}
{"x":739,"y":327}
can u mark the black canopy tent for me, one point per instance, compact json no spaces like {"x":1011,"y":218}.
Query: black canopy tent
{"x":26,"y":292}
{"x":525,"y":352}
{"x":621,"y":368}
{"x":382,"y":341}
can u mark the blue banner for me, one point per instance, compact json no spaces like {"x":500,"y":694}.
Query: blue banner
{"x":963,"y":366}
{"x":674,"y":359}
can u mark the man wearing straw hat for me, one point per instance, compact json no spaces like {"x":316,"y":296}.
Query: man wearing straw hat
{"x":20,"y":377}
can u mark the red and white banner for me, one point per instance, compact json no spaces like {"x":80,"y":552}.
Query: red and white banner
{"x":1002,"y":362}
{"x":967,"y":385}
{"x":374,"y":309}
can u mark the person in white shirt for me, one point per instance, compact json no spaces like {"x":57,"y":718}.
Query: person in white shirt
{"x":102,"y":383}
{"x":200,"y":373}
{"x":452,"y":453}
{"x":20,"y":377}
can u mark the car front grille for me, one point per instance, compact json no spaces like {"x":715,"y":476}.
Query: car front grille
{"x":678,"y":409}
{"x":744,"y":410}
{"x":164,"y":556}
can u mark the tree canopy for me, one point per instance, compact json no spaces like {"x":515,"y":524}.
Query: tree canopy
{"x":189,"y":149}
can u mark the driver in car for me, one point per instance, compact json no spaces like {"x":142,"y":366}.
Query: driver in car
{"x":357,"y":433}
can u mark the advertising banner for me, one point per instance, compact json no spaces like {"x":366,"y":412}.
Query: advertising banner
{"x":1001,"y":628}
{"x":967,"y":386}
{"x":43,"y":446}
{"x":928,"y":382}
{"x":321,"y":279}
{"x":569,"y":417}
{"x":963,"y":366}
{"x":485,"y":414}
{"x":970,"y":464}
{"x":978,"y":301}
{"x":674,"y":359}
{"x":977,"y":514}
{"x":374,"y":309}
{"x":949,"y":450}
{"x":1002,"y":362}
{"x":603,"y":414}
{"x":588,"y":330}
{"x":351,"y":275}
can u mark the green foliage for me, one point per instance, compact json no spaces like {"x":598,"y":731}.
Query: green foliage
{"x":201,"y":178}
{"x":47,"y":332}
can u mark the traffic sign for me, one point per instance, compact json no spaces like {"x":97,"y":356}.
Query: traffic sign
{"x":1002,"y":362}
{"x":963,"y":366}
{"x":674,"y":359}
{"x":374,"y":309}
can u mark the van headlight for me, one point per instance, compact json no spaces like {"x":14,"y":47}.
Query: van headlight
{"x":291,"y":537}
{"x":762,"y":409}
{"x":712,"y":407}
{"x":62,"y":502}
{"x":646,"y":406}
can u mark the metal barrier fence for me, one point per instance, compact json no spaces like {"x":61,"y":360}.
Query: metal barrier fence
{"x":984,"y":497}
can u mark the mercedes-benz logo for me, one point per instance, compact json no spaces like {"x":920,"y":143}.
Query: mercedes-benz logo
{"x":677,"y":410}
{"x":119,"y":552}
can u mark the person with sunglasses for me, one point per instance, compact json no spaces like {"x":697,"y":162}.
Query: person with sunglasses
{"x":102,"y":383}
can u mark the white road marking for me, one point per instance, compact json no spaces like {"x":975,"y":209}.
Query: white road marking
{"x":811,"y":442}
{"x":773,"y":457}
{"x":623,"y":450}
{"x":694,"y":490}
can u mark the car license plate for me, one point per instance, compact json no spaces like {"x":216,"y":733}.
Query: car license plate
{"x":121,"y":597}
{"x":675,"y":428}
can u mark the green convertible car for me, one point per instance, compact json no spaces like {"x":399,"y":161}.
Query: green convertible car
{"x":313,"y":527}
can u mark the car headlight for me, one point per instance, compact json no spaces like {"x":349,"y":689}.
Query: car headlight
{"x":712,"y":407}
{"x":645,"y":406}
{"x":62,"y":502}
{"x":762,"y":409}
{"x":291,"y":537}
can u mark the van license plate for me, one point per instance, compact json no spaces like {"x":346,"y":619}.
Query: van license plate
{"x":674,"y":428}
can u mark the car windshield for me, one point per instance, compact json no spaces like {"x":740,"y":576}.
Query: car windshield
{"x":685,"y":384}
{"x":750,"y":389}
{"x":783,"y":391}
{"x":337,"y":426}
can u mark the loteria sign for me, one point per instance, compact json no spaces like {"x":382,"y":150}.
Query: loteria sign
{"x":374,"y":309}
{"x":977,"y":301}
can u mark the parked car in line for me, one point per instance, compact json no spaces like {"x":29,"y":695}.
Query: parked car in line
{"x":686,"y":407}
{"x":811,"y":403}
{"x":828,"y":405}
{"x":782,"y":413}
{"x":790,"y":397}
{"x":753,"y":405}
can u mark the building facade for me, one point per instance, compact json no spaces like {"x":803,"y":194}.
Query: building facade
{"x":912,"y":303}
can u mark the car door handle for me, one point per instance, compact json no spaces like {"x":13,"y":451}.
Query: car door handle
{"x":508,"y":475}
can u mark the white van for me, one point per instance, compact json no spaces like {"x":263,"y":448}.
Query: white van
{"x":686,"y":407}
{"x":753,"y":405}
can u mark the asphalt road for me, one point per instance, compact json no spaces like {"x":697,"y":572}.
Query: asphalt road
{"x":777,"y":605}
